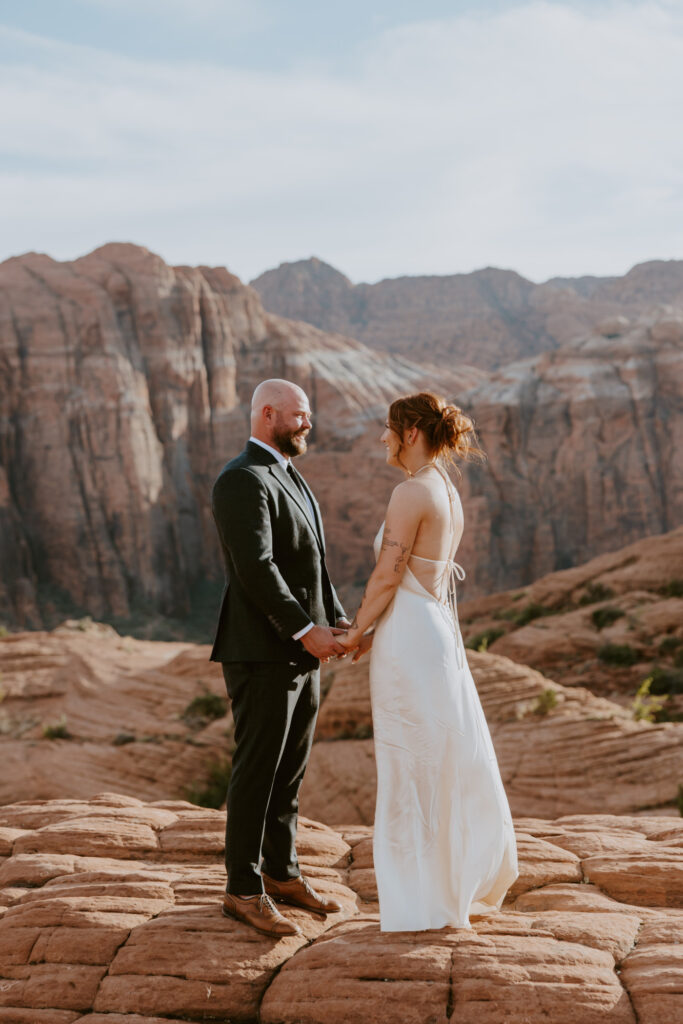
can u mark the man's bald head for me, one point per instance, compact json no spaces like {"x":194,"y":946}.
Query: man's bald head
{"x":276,"y":392}
{"x":281,"y":415}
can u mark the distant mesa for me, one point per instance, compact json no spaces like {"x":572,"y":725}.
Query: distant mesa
{"x":126,"y":386}
{"x":487,"y":317}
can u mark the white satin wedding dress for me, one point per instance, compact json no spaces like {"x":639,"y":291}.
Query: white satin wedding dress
{"x":444,"y":845}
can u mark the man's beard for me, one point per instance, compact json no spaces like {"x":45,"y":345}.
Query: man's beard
{"x":290,"y":442}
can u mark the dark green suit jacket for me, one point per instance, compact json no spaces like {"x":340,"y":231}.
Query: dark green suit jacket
{"x":274,"y":553}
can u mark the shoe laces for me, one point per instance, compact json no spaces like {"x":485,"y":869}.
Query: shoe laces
{"x":308,"y":887}
{"x":266,"y":903}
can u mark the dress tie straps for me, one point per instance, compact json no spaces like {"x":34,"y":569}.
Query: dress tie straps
{"x":456,"y":575}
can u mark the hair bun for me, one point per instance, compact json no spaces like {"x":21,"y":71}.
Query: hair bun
{"x":447,"y":429}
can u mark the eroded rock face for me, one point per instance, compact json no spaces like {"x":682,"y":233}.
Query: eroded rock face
{"x":561,"y":750}
{"x":125,"y":927}
{"x":631,"y":599}
{"x":585,"y":451}
{"x":125,"y":706}
{"x":487,"y":318}
{"x":125,"y":387}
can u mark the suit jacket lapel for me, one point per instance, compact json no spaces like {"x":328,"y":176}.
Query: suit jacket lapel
{"x":282,"y":477}
{"x":315,"y":506}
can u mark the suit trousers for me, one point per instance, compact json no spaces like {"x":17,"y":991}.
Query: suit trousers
{"x":274,"y":708}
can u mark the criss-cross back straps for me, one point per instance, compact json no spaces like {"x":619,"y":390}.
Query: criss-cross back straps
{"x":456,"y":573}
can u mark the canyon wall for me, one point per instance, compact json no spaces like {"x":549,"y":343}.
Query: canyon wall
{"x":125,"y":386}
{"x":488,"y":318}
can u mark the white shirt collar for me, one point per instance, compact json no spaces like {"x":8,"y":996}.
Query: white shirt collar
{"x":282,"y":459}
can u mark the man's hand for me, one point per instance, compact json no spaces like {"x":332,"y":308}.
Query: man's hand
{"x":321,"y":642}
{"x":343,"y":624}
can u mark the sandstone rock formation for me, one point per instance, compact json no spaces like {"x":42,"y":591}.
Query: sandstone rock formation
{"x":109,"y":914}
{"x":487,"y":318}
{"x":562,"y":623}
{"x":124,"y":387}
{"x":83,"y":709}
{"x":561,"y":750}
{"x":585,"y":455}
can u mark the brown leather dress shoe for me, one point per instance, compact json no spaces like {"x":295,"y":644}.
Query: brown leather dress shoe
{"x":261,"y":913}
{"x":299,"y":893}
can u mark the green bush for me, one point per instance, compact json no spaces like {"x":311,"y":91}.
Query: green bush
{"x":602,"y":617}
{"x":674,"y":588}
{"x":122,"y":738}
{"x":595,"y":592}
{"x":645,"y":707}
{"x":545,"y":702}
{"x":678,"y":658}
{"x":4,"y":631}
{"x":530,"y":612}
{"x":618,"y":654}
{"x":204,"y":708}
{"x":670,"y":644}
{"x":211,"y":791}
{"x":481,"y":641}
{"x":362,"y":731}
{"x":666,"y":680}
{"x":57,"y":730}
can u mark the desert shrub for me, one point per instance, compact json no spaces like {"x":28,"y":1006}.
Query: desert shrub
{"x":674,"y":588}
{"x":595,"y":592}
{"x":530,"y":612}
{"x":645,"y":707}
{"x":618,"y":654}
{"x":211,"y":790}
{"x":362,"y":731}
{"x":678,"y":658}
{"x":545,"y":702}
{"x":679,"y":800}
{"x":57,"y":730}
{"x":666,"y":680}
{"x":4,"y":631}
{"x":602,"y":617}
{"x":122,"y":738}
{"x":204,"y":708}
{"x":481,"y":641}
{"x":670,"y":644}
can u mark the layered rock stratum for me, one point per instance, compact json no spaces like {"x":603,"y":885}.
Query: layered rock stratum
{"x":608,"y":624}
{"x":84,"y":708}
{"x":125,"y":385}
{"x":110,"y":914}
{"x":487,"y":318}
{"x":561,"y":750}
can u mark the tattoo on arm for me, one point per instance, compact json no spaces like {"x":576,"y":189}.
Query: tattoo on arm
{"x":387,"y":542}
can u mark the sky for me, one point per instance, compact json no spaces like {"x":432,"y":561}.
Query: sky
{"x":386,"y":138}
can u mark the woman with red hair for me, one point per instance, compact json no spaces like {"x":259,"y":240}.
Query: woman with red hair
{"x":444,"y":845}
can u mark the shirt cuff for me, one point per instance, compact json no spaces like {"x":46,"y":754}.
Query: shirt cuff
{"x":304,"y":631}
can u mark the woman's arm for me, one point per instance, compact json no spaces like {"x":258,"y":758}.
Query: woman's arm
{"x":404,"y":515}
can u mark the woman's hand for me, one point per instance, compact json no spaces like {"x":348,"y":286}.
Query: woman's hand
{"x":363,"y":647}
{"x":349,"y":640}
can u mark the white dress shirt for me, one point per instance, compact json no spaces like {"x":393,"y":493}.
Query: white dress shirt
{"x":284,"y":461}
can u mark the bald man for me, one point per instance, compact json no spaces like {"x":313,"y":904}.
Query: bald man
{"x":279,"y":619}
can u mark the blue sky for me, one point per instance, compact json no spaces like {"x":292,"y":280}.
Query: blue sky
{"x":387,"y":138}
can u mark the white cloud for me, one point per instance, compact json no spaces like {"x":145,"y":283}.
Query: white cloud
{"x":542,"y":138}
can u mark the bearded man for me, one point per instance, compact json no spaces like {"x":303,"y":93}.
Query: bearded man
{"x":279,"y":618}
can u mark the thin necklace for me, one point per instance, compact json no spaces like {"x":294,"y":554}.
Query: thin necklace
{"x":432,"y":463}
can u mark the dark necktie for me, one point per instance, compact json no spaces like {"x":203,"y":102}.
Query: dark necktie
{"x":293,"y":475}
{"x":298,"y":481}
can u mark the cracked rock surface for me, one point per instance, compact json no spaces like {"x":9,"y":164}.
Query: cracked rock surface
{"x":110,"y":914}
